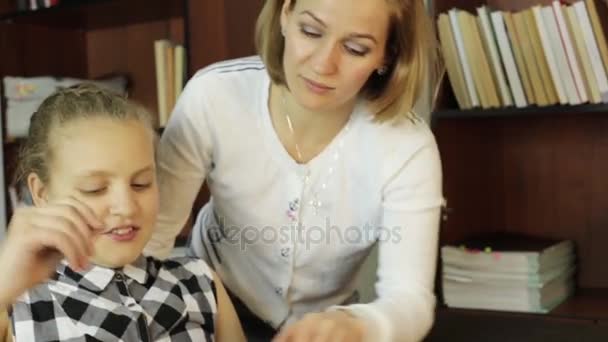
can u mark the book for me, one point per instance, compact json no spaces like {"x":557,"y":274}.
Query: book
{"x":508,"y":59}
{"x":507,"y":252}
{"x":508,"y":272}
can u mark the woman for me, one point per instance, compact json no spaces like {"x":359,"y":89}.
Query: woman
{"x":313,"y":155}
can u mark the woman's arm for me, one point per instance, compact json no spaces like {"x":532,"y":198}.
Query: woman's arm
{"x":184,"y":158}
{"x":227,"y":325}
{"x":404,"y":309}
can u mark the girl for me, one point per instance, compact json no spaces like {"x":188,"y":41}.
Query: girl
{"x":89,"y":164}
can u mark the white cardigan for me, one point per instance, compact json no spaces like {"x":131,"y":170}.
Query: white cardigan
{"x":289,"y":238}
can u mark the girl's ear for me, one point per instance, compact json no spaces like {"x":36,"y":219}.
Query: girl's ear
{"x":37,"y":189}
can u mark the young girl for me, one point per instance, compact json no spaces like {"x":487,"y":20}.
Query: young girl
{"x":89,"y":164}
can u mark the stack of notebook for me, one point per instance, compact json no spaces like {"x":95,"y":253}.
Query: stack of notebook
{"x":508,"y":272}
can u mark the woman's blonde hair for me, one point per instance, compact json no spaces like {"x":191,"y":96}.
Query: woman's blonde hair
{"x":411,"y":53}
{"x":66,"y":105}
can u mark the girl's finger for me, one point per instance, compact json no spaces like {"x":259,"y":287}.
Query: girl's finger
{"x":59,"y":240}
{"x":72,"y":235}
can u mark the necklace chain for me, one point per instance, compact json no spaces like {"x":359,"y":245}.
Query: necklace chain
{"x":290,"y":126}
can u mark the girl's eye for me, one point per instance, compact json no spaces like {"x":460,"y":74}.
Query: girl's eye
{"x":90,"y":192}
{"x":309,"y":31}
{"x":356,"y":50}
{"x":141,"y":186}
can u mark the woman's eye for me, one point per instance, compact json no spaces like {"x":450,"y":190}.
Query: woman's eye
{"x":310,"y":32}
{"x":356,"y":50}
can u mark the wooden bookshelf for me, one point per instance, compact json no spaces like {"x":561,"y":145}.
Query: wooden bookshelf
{"x":535,"y":170}
{"x":94,"y":39}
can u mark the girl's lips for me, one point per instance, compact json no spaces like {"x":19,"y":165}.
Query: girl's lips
{"x":123,"y":234}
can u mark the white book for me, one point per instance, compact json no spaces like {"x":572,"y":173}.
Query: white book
{"x":549,"y":56}
{"x":560,"y":56}
{"x":3,"y":221}
{"x":466,"y":68}
{"x":592,"y":49}
{"x":507,"y":58}
{"x":162,"y":81}
{"x":569,"y":51}
{"x":490,"y":40}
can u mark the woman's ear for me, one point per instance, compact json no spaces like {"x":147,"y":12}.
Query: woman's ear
{"x":37,"y":189}
{"x":285,"y":11}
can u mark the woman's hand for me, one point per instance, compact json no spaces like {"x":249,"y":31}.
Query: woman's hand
{"x":38,"y":238}
{"x":331,"y":326}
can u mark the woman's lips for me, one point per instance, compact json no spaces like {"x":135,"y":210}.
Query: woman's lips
{"x":315,"y":87}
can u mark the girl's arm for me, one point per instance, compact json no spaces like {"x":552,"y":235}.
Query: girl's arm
{"x":5,"y":331}
{"x":227,"y":325}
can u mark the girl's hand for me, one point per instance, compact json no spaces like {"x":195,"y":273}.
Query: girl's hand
{"x":38,"y":238}
{"x":331,"y":326}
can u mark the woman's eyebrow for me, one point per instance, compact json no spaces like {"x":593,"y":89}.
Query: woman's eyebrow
{"x":354,"y":35}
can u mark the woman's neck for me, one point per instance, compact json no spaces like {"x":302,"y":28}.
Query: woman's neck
{"x":310,"y":130}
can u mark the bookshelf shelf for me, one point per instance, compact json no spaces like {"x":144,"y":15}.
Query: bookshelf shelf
{"x":97,"y":14}
{"x":582,"y":317}
{"x":601,"y":109}
{"x":538,"y":170}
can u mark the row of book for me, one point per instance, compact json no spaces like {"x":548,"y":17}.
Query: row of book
{"x":170,"y":62}
{"x":32,"y":5}
{"x":508,"y":272}
{"x":544,"y":55}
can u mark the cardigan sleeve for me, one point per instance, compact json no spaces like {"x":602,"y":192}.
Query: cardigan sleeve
{"x":412,"y":199}
{"x":184,"y":157}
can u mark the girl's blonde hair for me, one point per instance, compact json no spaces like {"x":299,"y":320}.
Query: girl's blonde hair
{"x":411,"y":53}
{"x":66,"y":105}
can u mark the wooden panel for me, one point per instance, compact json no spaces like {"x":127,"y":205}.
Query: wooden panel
{"x":6,"y":6}
{"x":221,"y":30}
{"x":51,"y":51}
{"x":539,"y":175}
{"x":471,"y":158}
{"x":208,"y":39}
{"x":240,"y":26}
{"x":130,"y":50}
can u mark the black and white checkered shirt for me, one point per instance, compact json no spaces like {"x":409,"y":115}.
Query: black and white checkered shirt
{"x":149,"y":300}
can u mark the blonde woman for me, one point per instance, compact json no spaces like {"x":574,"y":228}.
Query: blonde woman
{"x":313,"y":155}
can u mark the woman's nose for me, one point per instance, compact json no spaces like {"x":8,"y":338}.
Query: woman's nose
{"x":326,"y":59}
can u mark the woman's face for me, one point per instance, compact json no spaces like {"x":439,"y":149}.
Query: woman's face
{"x":331,"y":49}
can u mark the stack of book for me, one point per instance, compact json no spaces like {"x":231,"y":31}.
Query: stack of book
{"x":508,"y":272}
{"x":544,"y":55}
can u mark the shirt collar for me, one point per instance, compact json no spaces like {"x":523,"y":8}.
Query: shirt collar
{"x":97,"y":278}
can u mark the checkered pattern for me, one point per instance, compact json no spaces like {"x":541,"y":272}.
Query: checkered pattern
{"x":149,"y":300}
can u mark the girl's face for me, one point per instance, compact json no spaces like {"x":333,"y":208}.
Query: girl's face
{"x":109,"y":165}
{"x":331,"y":49}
